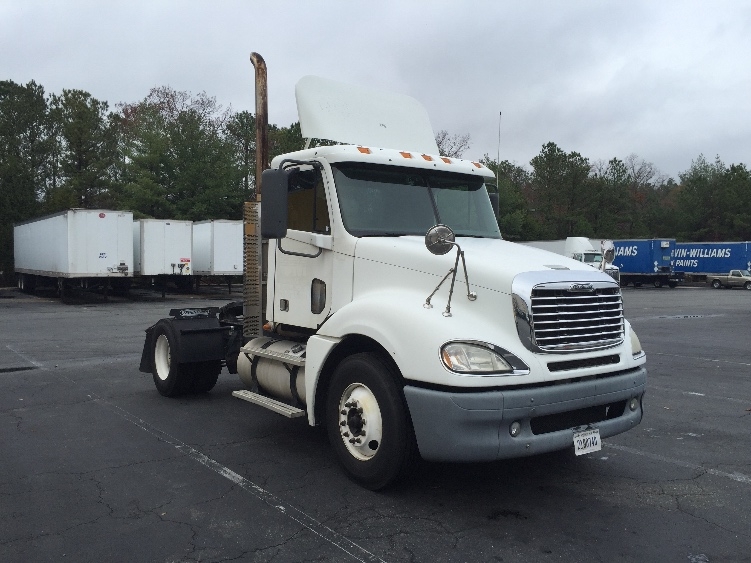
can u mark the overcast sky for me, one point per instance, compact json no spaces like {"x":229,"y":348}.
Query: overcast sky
{"x":666,"y":80}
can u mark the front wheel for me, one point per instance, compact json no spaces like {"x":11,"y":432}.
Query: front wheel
{"x":716,"y":284}
{"x":368,"y":423}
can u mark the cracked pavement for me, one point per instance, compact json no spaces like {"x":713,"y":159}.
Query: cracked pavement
{"x":96,"y":465}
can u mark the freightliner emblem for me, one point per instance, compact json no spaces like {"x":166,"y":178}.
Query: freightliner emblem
{"x":581,"y":288}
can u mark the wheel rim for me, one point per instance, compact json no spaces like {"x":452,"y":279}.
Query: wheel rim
{"x":360,"y":422}
{"x":162,"y":357}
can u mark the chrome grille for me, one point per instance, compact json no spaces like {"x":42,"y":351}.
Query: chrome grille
{"x":565,"y":321}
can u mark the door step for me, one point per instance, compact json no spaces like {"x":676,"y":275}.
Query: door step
{"x":269,"y":403}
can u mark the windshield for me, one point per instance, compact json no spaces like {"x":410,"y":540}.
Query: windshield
{"x":389,"y":201}
{"x":592,"y":258}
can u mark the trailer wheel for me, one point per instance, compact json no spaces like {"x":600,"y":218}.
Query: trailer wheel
{"x":170,"y":377}
{"x":368,"y":423}
{"x":658,"y":283}
{"x":716,"y":284}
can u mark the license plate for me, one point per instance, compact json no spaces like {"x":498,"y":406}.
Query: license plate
{"x":587,"y":441}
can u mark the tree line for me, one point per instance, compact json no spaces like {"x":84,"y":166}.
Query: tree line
{"x":182,"y":156}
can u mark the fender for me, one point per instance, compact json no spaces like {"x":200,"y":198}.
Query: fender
{"x":198,"y":340}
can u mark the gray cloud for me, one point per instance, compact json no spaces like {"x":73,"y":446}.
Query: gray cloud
{"x":665,"y":80}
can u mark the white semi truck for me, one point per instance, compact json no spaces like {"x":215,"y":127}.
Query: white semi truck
{"x":381,"y":302}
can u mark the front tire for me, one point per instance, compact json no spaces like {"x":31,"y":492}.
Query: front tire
{"x":368,"y":422}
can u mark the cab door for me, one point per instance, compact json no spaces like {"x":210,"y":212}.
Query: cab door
{"x":303,"y":260}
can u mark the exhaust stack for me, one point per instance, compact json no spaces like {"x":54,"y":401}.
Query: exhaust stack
{"x":253,"y":268}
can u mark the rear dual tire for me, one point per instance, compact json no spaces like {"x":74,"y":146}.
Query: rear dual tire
{"x":172,"y":378}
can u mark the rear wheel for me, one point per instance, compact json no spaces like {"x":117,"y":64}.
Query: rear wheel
{"x":368,"y":423}
{"x":716,"y":284}
{"x":747,"y":285}
{"x":658,"y":282}
{"x":672,"y":284}
{"x":170,"y":377}
{"x":205,"y":375}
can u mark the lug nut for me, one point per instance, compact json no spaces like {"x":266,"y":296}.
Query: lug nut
{"x":345,"y":434}
{"x":343,"y":423}
{"x":344,"y":413}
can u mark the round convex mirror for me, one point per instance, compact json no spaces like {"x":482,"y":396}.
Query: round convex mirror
{"x":439,"y":239}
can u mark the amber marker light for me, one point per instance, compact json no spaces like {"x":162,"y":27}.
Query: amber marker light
{"x":477,"y":164}
{"x":427,"y":157}
{"x":446,"y":160}
{"x":405,"y":154}
{"x":364,"y":150}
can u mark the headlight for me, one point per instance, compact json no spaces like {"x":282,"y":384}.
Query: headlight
{"x":463,"y":357}
{"x":636,"y":349}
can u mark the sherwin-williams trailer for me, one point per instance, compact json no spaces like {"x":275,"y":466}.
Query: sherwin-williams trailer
{"x":646,"y":261}
{"x":705,"y":258}
{"x":90,"y":246}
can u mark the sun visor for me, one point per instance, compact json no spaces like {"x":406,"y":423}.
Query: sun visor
{"x":359,"y":116}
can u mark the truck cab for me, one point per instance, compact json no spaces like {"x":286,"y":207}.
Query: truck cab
{"x":399,"y":319}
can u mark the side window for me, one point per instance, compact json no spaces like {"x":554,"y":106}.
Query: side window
{"x":308,"y":210}
{"x":735,"y":273}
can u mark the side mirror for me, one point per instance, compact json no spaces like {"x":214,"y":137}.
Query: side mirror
{"x":439,"y":239}
{"x":274,"y":211}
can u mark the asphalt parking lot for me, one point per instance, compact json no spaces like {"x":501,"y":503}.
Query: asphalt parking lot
{"x":96,"y":466}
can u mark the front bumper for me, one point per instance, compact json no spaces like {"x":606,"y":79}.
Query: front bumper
{"x":474,"y":426}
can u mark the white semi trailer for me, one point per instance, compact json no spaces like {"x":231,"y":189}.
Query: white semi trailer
{"x":395,"y":314}
{"x":78,"y":246}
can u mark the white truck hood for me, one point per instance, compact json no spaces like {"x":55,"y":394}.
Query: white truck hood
{"x":491,"y":263}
